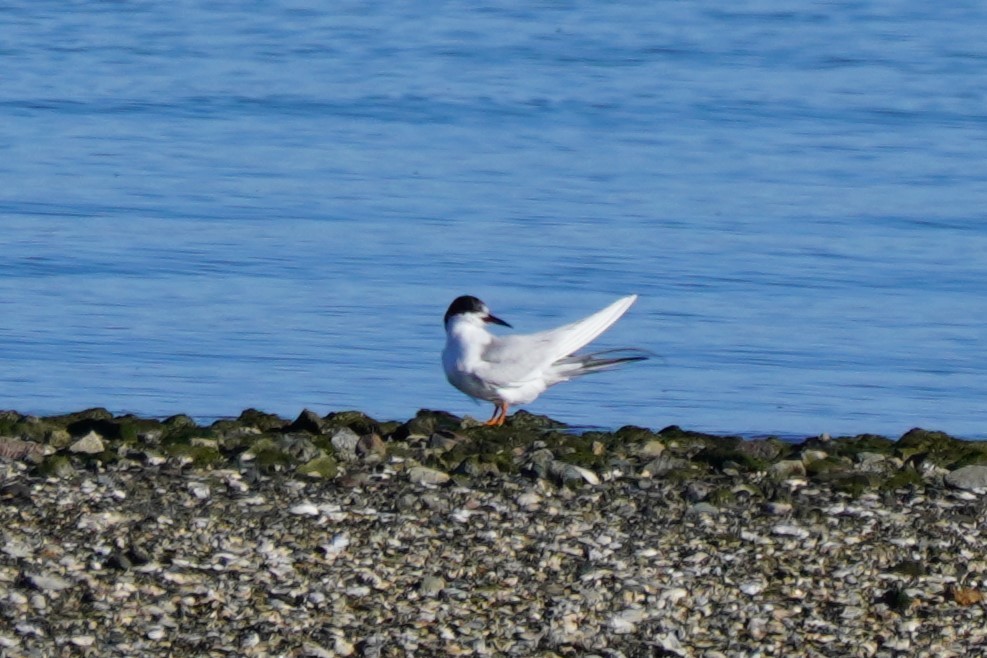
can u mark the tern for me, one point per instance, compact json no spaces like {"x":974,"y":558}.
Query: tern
{"x":516,"y":369}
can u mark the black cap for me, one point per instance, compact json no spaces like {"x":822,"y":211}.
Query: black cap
{"x":470,"y":304}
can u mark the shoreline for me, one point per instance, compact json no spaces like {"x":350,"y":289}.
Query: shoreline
{"x":342,"y":536}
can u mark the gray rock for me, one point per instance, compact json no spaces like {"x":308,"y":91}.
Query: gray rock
{"x":473,"y":466}
{"x":444,"y":440}
{"x":539,"y":463}
{"x":812,"y":456}
{"x":300,"y":447}
{"x":869,"y":457}
{"x":344,"y":442}
{"x":371,"y":445}
{"x":651,"y":449}
{"x":436,"y":503}
{"x":969,"y":478}
{"x":704,"y":508}
{"x":762,"y":449}
{"x":90,"y":444}
{"x":698,"y":491}
{"x":662,"y":465}
{"x":563,"y":473}
{"x":787,"y":468}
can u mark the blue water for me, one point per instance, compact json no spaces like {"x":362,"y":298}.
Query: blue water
{"x":210,"y":206}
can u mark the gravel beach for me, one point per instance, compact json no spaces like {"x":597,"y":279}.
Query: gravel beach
{"x":344,"y":536}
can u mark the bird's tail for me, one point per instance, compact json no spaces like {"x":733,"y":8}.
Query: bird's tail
{"x":584,"y":364}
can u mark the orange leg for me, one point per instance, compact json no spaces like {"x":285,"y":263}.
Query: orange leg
{"x":499,"y":416}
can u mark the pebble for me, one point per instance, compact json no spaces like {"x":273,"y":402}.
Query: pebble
{"x":752,"y":588}
{"x":790,"y":531}
{"x":427,"y":476}
{"x":47,"y":582}
{"x":304,"y":509}
{"x":431,"y":585}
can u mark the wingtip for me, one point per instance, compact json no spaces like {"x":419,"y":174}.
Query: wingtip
{"x":628,"y":300}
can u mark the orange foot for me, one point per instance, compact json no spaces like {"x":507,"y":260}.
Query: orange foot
{"x":499,"y":416}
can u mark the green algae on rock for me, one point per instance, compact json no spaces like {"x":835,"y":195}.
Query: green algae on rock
{"x":354,"y":445}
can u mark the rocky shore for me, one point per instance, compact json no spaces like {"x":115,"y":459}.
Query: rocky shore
{"x":345,"y":536}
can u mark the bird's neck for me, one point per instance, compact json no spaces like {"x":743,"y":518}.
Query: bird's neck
{"x":469,"y":335}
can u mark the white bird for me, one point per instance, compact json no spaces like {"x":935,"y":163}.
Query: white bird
{"x":517,"y":369}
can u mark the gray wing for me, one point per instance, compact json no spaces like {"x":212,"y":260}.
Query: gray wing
{"x":513,"y":359}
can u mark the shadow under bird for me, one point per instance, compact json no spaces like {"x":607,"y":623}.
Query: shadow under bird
{"x":516,"y":369}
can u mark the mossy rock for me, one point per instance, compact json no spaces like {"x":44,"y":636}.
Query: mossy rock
{"x":873,"y":443}
{"x":905,"y":477}
{"x":134,"y":428}
{"x":425,"y":423}
{"x":322,"y":467}
{"x":269,"y":456}
{"x":263,"y":421}
{"x":8,"y":421}
{"x":897,"y":599}
{"x":201,"y":456}
{"x":850,"y":446}
{"x":729,"y":452}
{"x":910,"y":568}
{"x":721,"y":496}
{"x":475,"y":467}
{"x":765,"y":451}
{"x":232,"y":432}
{"x":688,"y":443}
{"x":526,"y":421}
{"x":854,"y":483}
{"x":307,"y":421}
{"x":388,"y":427}
{"x":96,"y":413}
{"x":633,"y":434}
{"x":925,"y":439}
{"x":57,"y":466}
{"x":918,"y":445}
{"x":687,"y":472}
{"x":829,"y":467}
{"x":30,"y":428}
{"x":180,"y":429}
{"x":975,"y":455}
{"x":106,"y":427}
{"x":487,"y":445}
{"x":357,"y":421}
{"x":581,"y":450}
{"x":299,"y":447}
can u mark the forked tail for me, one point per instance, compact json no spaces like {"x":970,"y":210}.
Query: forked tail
{"x":584,"y":364}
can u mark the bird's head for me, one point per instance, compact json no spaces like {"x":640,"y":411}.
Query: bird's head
{"x":472,"y":310}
